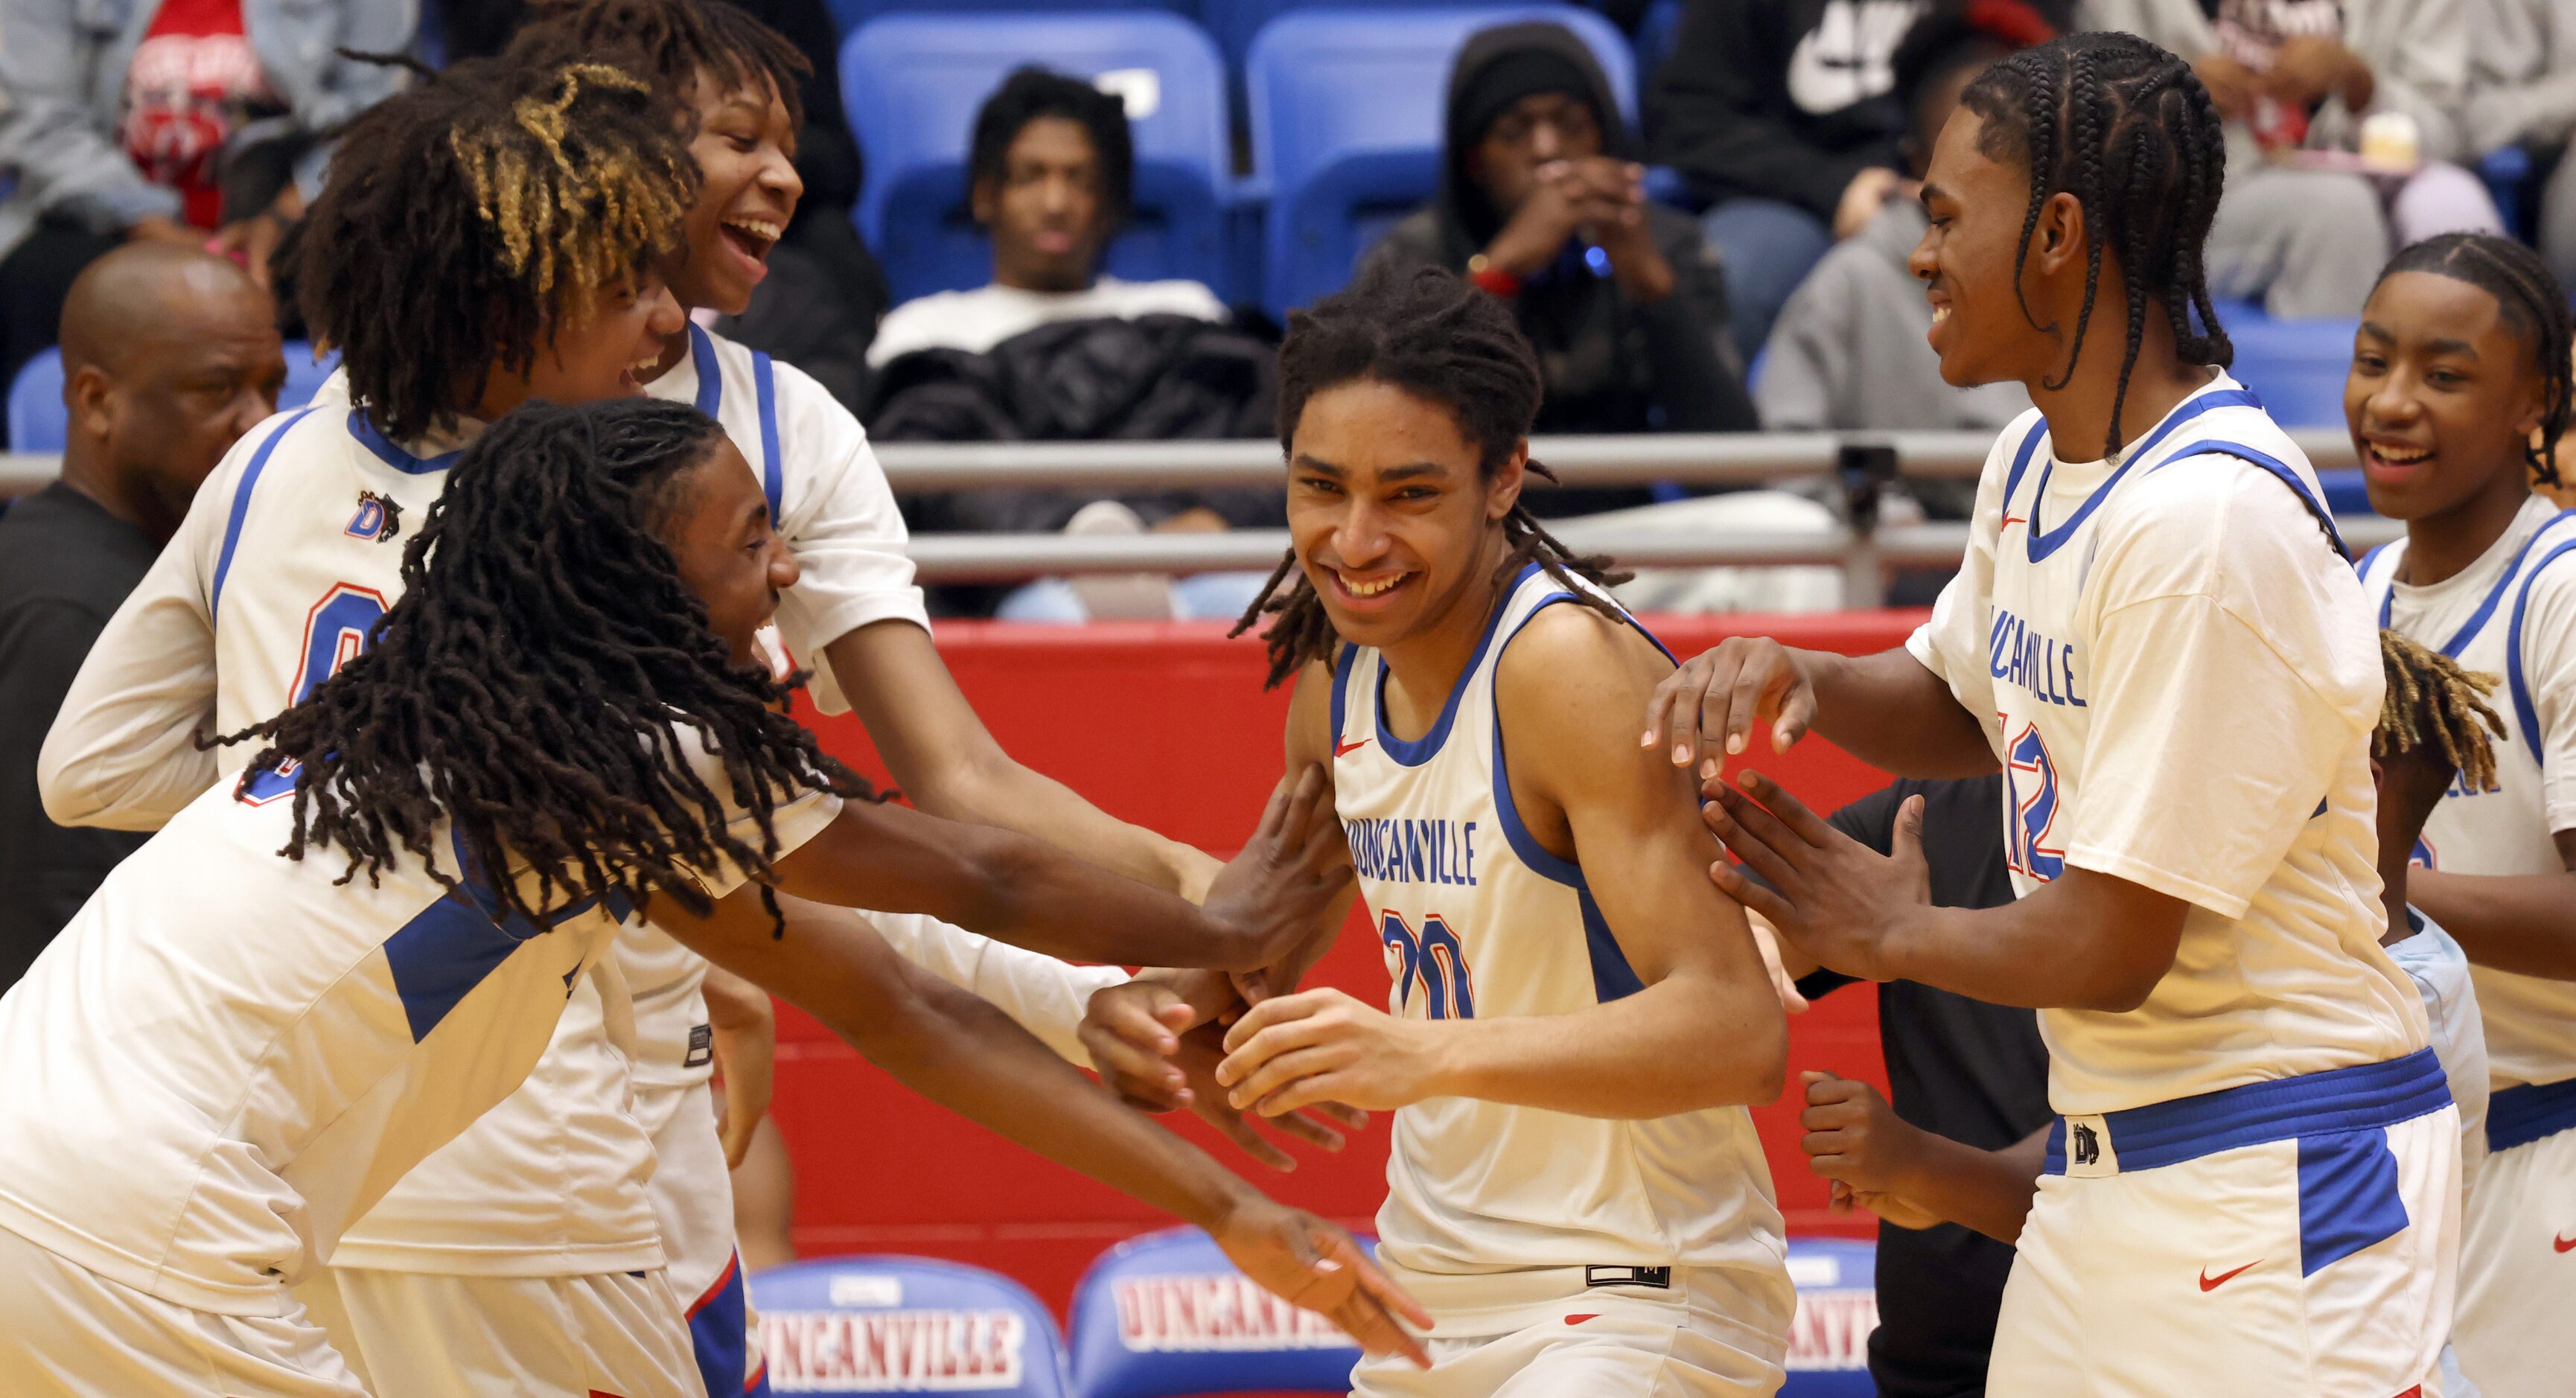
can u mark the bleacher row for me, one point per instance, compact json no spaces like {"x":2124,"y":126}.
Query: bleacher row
{"x":1163,"y":1315}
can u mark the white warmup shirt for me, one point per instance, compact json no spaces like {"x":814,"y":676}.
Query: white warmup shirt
{"x":977,"y":320}
{"x":553,"y":1183}
{"x":2184,"y":679}
{"x":2511,"y":614}
{"x":1480,"y":921}
{"x":227,"y":1056}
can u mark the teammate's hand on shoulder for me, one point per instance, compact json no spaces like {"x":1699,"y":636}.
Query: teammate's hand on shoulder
{"x":1708,"y":707}
{"x":1836,"y":898}
{"x":1321,"y":1046}
{"x":1271,"y":896}
{"x":1302,"y":1259}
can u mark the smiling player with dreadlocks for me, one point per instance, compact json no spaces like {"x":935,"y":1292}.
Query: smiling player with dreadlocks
{"x":315,"y":975}
{"x":2252,"y":1186}
{"x":1576,"y":1017}
{"x":2458,"y":396}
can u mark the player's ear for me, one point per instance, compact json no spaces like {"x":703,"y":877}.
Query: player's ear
{"x":2058,"y":241}
{"x":1504,"y":489}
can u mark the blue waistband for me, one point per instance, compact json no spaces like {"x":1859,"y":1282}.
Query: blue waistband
{"x":2283,"y":1109}
{"x":2518,"y":1116}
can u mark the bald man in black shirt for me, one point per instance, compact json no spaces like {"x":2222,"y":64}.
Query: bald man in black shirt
{"x":1957,"y":1068}
{"x":169,"y":356}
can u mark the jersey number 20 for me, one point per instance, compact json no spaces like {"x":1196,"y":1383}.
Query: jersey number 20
{"x":1431,"y":963}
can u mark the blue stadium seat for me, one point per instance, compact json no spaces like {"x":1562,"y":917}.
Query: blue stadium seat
{"x":38,"y":422}
{"x":1347,"y":110}
{"x":1167,"y":1314}
{"x":904,"y":1324}
{"x":2297,"y":367}
{"x":913,"y":83}
{"x":1837,"y":1281}
{"x":850,"y":14}
{"x":1234,"y":23}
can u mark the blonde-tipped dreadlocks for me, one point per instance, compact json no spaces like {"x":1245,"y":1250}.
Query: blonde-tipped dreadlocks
{"x":465,"y":219}
{"x":2433,"y":701}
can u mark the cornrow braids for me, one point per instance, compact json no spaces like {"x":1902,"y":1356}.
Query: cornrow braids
{"x":2432,"y":701}
{"x":532,"y":683}
{"x":465,"y":219}
{"x":1438,"y":338}
{"x":2127,"y":129}
{"x":671,"y":42}
{"x":2529,"y":299}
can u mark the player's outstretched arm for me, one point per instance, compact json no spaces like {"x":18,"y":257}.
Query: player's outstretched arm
{"x":1707,"y":1028}
{"x":943,"y":757}
{"x":1032,"y":894}
{"x":1885,"y":709}
{"x":965,"y":1055}
{"x":1907,"y":1175}
{"x":122,"y":752}
{"x":2086,"y":940}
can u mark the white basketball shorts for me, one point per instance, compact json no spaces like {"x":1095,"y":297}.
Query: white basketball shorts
{"x":2289,"y":1238}
{"x":2517,"y":1324}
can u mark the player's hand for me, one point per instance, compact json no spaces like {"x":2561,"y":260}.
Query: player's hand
{"x":1132,"y":1032}
{"x":1767,"y":942}
{"x":1286,"y":880}
{"x":1854,"y":1137}
{"x":1325,"y":1046}
{"x":1300,"y":1258}
{"x":1891,"y":1208}
{"x":1711,"y":703}
{"x":745,"y":1029}
{"x":1833,"y":896}
{"x":1201,"y":1050}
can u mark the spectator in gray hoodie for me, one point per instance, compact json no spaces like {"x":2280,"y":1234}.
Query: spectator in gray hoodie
{"x":188,"y":123}
{"x":1848,"y":351}
{"x":2522,"y":92}
{"x":2301,"y":226}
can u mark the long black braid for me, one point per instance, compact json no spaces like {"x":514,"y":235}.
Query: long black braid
{"x":532,"y":683}
{"x":2127,"y":129}
{"x":1425,"y":331}
{"x":2528,"y":299}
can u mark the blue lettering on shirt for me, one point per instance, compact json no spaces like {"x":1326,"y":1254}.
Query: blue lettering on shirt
{"x":1402,"y":849}
{"x":2040,"y":665}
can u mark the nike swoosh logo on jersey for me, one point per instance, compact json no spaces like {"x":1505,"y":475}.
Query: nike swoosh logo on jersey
{"x":2210,"y":1283}
{"x":1579,"y":1319}
{"x":1341,"y":749}
{"x":2011,"y":520}
{"x":2562,"y":1244}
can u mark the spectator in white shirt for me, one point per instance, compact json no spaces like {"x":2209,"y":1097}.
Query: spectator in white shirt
{"x":1049,"y":177}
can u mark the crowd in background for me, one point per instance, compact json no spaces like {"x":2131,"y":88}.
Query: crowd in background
{"x":1766,"y":288}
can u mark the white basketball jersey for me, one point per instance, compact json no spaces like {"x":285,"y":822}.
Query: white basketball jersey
{"x":1479,"y":921}
{"x":228,"y":1054}
{"x":2505,"y":615}
{"x":2184,"y":678}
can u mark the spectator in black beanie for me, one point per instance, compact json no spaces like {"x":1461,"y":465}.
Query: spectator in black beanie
{"x":1542,"y":205}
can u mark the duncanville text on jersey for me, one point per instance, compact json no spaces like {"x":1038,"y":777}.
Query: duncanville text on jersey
{"x":1400,"y":850}
{"x":2042,"y":665}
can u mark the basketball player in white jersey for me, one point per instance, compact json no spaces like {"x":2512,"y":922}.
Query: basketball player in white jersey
{"x":311,"y":977}
{"x":481,"y":1264}
{"x":2254,"y":1185}
{"x":1575,"y":1019}
{"x":2435,"y":729}
{"x":2459,"y":389}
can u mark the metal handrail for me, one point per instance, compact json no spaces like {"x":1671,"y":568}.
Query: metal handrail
{"x":1707,"y":459}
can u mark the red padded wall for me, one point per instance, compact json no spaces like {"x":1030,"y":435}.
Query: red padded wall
{"x":1167,"y":726}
